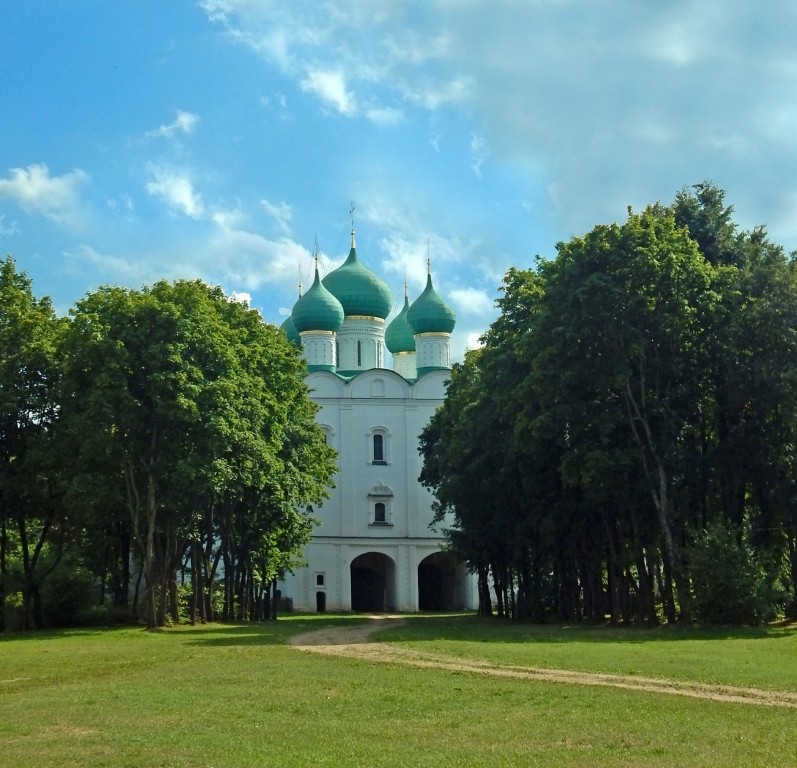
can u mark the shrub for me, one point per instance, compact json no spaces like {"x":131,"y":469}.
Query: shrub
{"x":730,"y":582}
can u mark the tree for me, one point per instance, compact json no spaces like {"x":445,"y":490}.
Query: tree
{"x":188,"y":403}
{"x":638,"y":386}
{"x":30,"y":514}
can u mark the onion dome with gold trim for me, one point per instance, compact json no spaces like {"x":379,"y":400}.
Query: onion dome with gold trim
{"x":318,"y":309}
{"x":429,"y":313}
{"x":399,"y":336}
{"x":358,"y":289}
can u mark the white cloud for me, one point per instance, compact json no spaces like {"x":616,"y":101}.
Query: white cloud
{"x":281,"y":213}
{"x":473,"y":341}
{"x":330,"y":87}
{"x":56,"y":197}
{"x":478,"y":153}
{"x":433,"y":93}
{"x":248,"y":259}
{"x":472,"y":301}
{"x":132,"y":269}
{"x":6,"y":230}
{"x":184,"y":123}
{"x":176,"y":189}
{"x":385,"y":116}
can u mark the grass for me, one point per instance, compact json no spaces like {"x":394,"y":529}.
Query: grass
{"x":229,"y":696}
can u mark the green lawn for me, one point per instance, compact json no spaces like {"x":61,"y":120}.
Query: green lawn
{"x":229,"y":696}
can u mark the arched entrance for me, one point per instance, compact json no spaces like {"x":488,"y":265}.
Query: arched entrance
{"x":373,"y":578}
{"x":438,"y":586}
{"x":320,"y":601}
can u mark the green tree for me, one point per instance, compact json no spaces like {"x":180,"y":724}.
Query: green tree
{"x":30,"y":514}
{"x":188,"y":402}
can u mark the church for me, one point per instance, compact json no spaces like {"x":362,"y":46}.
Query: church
{"x":374,"y":549}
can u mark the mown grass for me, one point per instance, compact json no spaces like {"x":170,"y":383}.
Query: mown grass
{"x":238,"y":696}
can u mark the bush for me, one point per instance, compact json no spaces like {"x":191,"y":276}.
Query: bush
{"x":730,"y":583}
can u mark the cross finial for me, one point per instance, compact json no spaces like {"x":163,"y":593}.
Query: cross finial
{"x":428,"y":259}
{"x":351,"y":213}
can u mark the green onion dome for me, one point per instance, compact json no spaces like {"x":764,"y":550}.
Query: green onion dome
{"x":317,"y":310}
{"x":429,"y":313}
{"x":289,"y":329}
{"x":358,"y":289}
{"x":398,"y":334}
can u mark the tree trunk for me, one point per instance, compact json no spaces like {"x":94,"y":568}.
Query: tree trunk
{"x":659,"y":491}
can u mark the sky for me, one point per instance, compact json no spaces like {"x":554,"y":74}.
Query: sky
{"x":229,"y":140}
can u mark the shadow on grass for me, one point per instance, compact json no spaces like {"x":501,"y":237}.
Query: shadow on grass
{"x":471,"y":628}
{"x":267,"y":632}
{"x":467,"y":627}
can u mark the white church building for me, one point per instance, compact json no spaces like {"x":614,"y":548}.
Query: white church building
{"x":374,"y":549}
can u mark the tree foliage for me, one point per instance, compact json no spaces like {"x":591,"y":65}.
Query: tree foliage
{"x":31,"y":516}
{"x":180,"y":434}
{"x":634,"y":388}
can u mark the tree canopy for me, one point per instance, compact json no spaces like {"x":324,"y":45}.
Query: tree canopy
{"x":183,"y":434}
{"x":635,"y":391}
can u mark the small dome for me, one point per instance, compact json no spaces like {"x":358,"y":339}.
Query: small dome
{"x":358,"y":289}
{"x":317,"y":310}
{"x":398,"y":335}
{"x":429,"y":313}
{"x":289,"y":329}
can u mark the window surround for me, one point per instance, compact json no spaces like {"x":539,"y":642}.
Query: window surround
{"x":379,"y":502}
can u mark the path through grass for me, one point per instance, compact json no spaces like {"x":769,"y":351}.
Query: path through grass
{"x":240,"y":696}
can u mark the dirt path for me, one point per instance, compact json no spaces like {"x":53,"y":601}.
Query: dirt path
{"x":352,"y":642}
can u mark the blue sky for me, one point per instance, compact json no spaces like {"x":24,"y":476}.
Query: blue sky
{"x":219,"y":139}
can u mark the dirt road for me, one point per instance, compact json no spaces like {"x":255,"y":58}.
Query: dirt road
{"x":353,"y":642}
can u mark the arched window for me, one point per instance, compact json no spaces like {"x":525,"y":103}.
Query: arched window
{"x":379,"y":446}
{"x":380,"y":514}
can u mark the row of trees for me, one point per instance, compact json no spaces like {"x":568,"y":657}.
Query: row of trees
{"x":624,"y":442}
{"x":162,"y":435}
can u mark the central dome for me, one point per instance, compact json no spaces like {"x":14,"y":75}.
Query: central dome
{"x":358,"y":289}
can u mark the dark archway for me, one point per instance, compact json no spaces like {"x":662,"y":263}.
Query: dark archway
{"x":372,"y":583}
{"x":320,"y":601}
{"x":437,"y":583}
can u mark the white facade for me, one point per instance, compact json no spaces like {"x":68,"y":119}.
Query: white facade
{"x":374,"y":549}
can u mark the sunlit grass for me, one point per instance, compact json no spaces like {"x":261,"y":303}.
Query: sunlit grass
{"x":238,"y":696}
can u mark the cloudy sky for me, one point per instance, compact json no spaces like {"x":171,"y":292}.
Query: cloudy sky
{"x":221,"y":139}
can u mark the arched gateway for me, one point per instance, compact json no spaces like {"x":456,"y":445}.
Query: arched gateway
{"x":441,"y":583}
{"x":373,"y":583}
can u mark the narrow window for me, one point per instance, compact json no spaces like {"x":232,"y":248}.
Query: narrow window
{"x":319,"y":579}
{"x":359,"y":354}
{"x":379,"y":513}
{"x":379,"y":448}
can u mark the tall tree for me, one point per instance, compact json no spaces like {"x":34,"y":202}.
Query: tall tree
{"x":189,"y":400}
{"x":29,"y":376}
